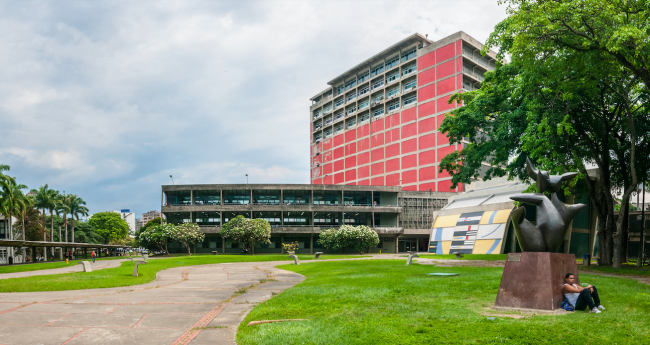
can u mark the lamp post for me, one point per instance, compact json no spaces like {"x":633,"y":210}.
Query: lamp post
{"x":246,"y":178}
{"x":397,"y":181}
{"x":170,"y":176}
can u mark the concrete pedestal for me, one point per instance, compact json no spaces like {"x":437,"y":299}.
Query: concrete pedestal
{"x":535,"y":280}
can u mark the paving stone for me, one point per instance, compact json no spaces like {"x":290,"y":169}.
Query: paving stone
{"x":100,"y":320}
{"x":165,"y":308}
{"x":27,"y":318}
{"x":218,"y":336}
{"x":103,"y":336}
{"x":69,"y":308}
{"x":253,"y":296}
{"x":229,"y":316}
{"x":184,"y":321}
{"x":7,"y":306}
{"x":31,"y":335}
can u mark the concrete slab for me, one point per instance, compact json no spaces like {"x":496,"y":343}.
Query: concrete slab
{"x":218,"y":336}
{"x":230,"y":314}
{"x":69,"y":308}
{"x":99,"y":320}
{"x":7,"y":306}
{"x":278,"y":285}
{"x":30,"y":335}
{"x":27,"y":318}
{"x":184,"y":321}
{"x":165,"y":309}
{"x":102,"y":336}
{"x":253,"y":296}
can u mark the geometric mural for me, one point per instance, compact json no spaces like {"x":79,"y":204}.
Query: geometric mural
{"x":469,"y":233}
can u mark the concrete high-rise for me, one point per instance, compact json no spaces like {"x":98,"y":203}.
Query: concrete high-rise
{"x":377,"y":123}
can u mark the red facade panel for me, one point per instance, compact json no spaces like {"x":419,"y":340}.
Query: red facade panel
{"x":442,"y":152}
{"x":409,"y":161}
{"x":363,"y":158}
{"x":339,"y":165}
{"x":442,"y":139}
{"x":350,"y":175}
{"x":315,"y":172}
{"x":327,"y":156}
{"x":377,"y":154}
{"x":413,"y":188}
{"x":351,"y":184}
{"x":378,"y":126}
{"x":427,"y":76}
{"x":339,"y":178}
{"x":338,"y":140}
{"x":316,"y":160}
{"x":426,"y":141}
{"x":377,"y":140}
{"x":446,"y":69}
{"x":459,"y":67}
{"x":409,"y":145}
{"x":391,"y":151}
{"x":327,"y":169}
{"x":439,"y":119}
{"x":350,"y":162}
{"x":427,"y":157}
{"x":377,"y":181}
{"x":327,"y":144}
{"x":446,"y":52}
{"x":427,"y":186}
{"x":363,"y":172}
{"x":459,"y":47}
{"x":427,"y":109}
{"x":443,"y":174}
{"x":327,"y":179}
{"x":350,"y":136}
{"x":362,"y":145}
{"x":427,"y":125}
{"x":410,"y":176}
{"x":428,"y":173}
{"x":317,"y":181}
{"x":409,"y":115}
{"x":446,"y":86}
{"x":362,"y":131}
{"x":426,"y":60}
{"x":392,"y":121}
{"x":392,"y":135}
{"x":364,"y":183}
{"x":392,"y":179}
{"x":392,"y":165}
{"x":377,"y":168}
{"x":350,"y":149}
{"x":445,"y":186}
{"x":339,"y":152}
{"x":443,"y":104}
{"x":409,"y":130}
{"x":427,"y":92}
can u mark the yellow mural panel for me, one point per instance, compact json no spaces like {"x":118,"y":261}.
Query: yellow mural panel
{"x":494,"y":217}
{"x":446,"y":221}
{"x":487,"y":247}
{"x":445,"y":246}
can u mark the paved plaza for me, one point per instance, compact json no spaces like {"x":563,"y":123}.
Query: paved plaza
{"x":185,"y":305}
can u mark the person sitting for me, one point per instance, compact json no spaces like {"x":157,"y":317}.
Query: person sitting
{"x":580,"y":297}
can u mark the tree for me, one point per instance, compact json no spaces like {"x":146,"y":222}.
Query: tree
{"x":186,"y":234}
{"x":77,"y":208}
{"x":155,"y":237}
{"x":10,"y":191}
{"x":62,"y":210}
{"x":109,"y":225}
{"x":358,"y":238}
{"x":45,"y":200}
{"x":247,"y":231}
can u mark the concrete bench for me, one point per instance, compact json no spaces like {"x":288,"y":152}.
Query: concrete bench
{"x":295,"y":259}
{"x":145,"y":256}
{"x":317,"y":255}
{"x":458,"y":255}
{"x":86,"y":266}
{"x":214,"y":252}
{"x":135,"y":269}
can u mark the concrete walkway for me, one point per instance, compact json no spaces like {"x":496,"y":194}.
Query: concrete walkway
{"x":72,"y":267}
{"x":185,"y":305}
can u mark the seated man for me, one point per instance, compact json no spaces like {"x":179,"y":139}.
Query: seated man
{"x":580,"y":297}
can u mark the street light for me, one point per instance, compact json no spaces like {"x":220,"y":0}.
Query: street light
{"x":397,"y":181}
{"x":246,"y":178}
{"x":170,"y":176}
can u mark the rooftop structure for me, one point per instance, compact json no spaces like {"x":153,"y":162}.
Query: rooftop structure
{"x":377,"y":123}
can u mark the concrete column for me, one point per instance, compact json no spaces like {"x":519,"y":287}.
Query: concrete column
{"x":60,"y":238}
{"x":60,"y":253}
{"x":191,"y":198}
{"x":311,"y":244}
{"x":221,"y":197}
{"x":223,"y":245}
{"x":44,"y":253}
{"x":281,"y":196}
{"x":417,"y":244}
{"x":282,"y":241}
{"x":397,"y":244}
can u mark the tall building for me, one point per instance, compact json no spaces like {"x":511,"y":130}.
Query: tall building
{"x":146,"y":217}
{"x":377,"y":123}
{"x":129,"y":218}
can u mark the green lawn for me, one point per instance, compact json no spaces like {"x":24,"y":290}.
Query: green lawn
{"x":122,"y":276}
{"x":48,"y":265}
{"x":488,"y":257}
{"x":626,"y":269}
{"x":386,"y":302}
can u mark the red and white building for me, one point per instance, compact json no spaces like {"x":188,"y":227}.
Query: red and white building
{"x":377,"y":124}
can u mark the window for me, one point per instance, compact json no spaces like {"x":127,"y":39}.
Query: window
{"x":318,"y":136}
{"x":350,"y":84}
{"x":363,"y":77}
{"x":339,"y":90}
{"x":364,"y":104}
{"x":392,"y":62}
{"x":410,"y":99}
{"x":328,"y":132}
{"x":409,"y":69}
{"x":364,"y":90}
{"x":339,"y":102}
{"x":364,"y":117}
{"x":317,"y":114}
{"x":392,"y":77}
{"x":378,"y":83}
{"x":338,"y":115}
{"x":318,"y":125}
{"x":409,"y":54}
{"x":328,"y":120}
{"x":378,"y":98}
{"x":378,"y":112}
{"x":393,"y":105}
{"x":351,"y":96}
{"x":392,"y":92}
{"x":376,"y":70}
{"x":409,"y":84}
{"x":351,"y":110}
{"x":351,"y":122}
{"x":338,"y":127}
{"x":327,"y":108}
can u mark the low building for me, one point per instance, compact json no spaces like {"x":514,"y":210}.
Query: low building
{"x":129,"y":218}
{"x":146,"y":217}
{"x":299,"y":212}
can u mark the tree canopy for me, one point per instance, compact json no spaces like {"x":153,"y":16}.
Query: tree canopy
{"x":359,"y":238}
{"x":109,"y":225}
{"x":247,"y":231}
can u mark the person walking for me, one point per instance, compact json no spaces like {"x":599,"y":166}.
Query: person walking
{"x":93,"y":256}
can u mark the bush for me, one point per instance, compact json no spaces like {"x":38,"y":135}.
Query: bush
{"x":186,"y":234}
{"x":358,"y":238}
{"x":155,"y":237}
{"x":247,"y":231}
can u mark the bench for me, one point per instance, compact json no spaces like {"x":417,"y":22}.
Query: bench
{"x":295,"y":259}
{"x":317,"y":255}
{"x":86,"y":266}
{"x":145,"y":256}
{"x":214,"y":252}
{"x":458,"y":255}
{"x":135,"y":269}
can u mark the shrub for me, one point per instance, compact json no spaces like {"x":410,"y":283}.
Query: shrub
{"x":357,"y":238}
{"x":247,"y":231}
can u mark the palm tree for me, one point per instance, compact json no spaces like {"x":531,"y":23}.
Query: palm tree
{"x":24,"y":203}
{"x":10,"y":192}
{"x":46,"y":200}
{"x":63,"y":208}
{"x":77,"y":208}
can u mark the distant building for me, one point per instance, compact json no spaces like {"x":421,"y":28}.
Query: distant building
{"x":146,"y":217}
{"x":129,"y":218}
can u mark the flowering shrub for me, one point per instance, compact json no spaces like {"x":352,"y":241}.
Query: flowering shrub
{"x":290,"y":247}
{"x":155,"y":237}
{"x":186,"y":234}
{"x":358,"y":238}
{"x":247,"y":231}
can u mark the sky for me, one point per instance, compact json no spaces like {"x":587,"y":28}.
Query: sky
{"x":106,"y":99}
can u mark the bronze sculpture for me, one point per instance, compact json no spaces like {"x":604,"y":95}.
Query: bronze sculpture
{"x":553,"y":216}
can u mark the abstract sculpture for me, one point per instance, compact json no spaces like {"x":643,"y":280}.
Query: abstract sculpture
{"x":553,"y":216}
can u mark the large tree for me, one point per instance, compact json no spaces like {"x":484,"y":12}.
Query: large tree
{"x":247,"y":231}
{"x":46,"y":200}
{"x":10,"y":193}
{"x":77,"y":208}
{"x":109,"y":225}
{"x":186,"y":234}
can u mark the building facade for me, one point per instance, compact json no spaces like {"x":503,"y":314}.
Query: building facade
{"x":402,"y":219}
{"x":377,"y":124}
{"x":146,"y":217}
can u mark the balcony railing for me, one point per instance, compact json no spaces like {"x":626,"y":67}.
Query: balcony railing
{"x":479,"y":59}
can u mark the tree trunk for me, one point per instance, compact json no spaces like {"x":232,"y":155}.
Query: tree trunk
{"x":72,"y":229}
{"x":44,"y":227}
{"x":639,"y":256}
{"x":189,"y":251}
{"x":65,"y":225}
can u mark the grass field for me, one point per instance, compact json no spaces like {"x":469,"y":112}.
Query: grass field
{"x":488,"y":257}
{"x":385,"y":302}
{"x":626,"y":269}
{"x":48,"y":265}
{"x":122,"y":276}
